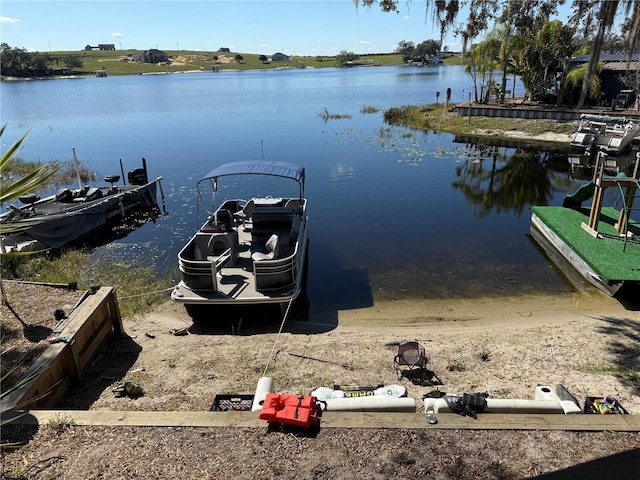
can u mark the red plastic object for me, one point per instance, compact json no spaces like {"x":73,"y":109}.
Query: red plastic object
{"x":298,"y":410}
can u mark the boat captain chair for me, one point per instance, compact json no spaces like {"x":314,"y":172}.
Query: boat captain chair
{"x":271,"y":250}
{"x":245,"y":212}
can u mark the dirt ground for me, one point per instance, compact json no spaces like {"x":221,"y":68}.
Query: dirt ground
{"x":505,"y":346}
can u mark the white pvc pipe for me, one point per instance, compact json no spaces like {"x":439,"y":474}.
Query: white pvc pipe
{"x":265,"y":385}
{"x":373,"y":403}
{"x":499,"y":405}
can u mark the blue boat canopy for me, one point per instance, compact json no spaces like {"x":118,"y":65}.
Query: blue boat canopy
{"x":258,"y":167}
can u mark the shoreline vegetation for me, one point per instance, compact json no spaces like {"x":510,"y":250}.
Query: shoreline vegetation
{"x":439,"y":118}
{"x":120,"y":62}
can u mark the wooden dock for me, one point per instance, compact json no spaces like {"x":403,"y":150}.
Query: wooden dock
{"x":516,"y":108}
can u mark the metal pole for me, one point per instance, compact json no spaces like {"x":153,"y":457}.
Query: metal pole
{"x":124,"y":182}
{"x":77,"y":167}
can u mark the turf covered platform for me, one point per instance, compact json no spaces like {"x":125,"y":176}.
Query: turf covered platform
{"x":607,"y":256}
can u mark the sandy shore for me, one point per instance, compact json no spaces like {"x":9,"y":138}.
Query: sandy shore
{"x":520,"y":135}
{"x":508,"y":346}
{"x":505,"y":346}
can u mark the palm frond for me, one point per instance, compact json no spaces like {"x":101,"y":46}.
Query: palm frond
{"x":17,"y":227}
{"x":13,"y":149}
{"x":29,"y":181}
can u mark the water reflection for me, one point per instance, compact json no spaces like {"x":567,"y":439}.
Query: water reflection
{"x":495,"y":181}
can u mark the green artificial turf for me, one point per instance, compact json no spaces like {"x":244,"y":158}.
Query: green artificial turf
{"x":605,"y":255}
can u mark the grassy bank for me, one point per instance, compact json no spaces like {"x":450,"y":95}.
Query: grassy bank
{"x":435,"y":117}
{"x":117,"y":62}
{"x":138,"y":287}
{"x":66,"y":175}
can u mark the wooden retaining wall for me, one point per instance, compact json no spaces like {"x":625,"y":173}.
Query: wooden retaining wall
{"x":536,"y":112}
{"x":63,"y":364}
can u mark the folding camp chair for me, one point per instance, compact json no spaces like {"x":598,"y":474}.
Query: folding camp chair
{"x":411,"y":360}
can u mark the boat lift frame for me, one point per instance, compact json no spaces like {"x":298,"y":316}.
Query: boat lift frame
{"x":628,"y":186}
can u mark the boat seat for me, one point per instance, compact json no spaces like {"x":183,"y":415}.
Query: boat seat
{"x":29,"y":199}
{"x":89,"y":195}
{"x":217,"y":245}
{"x":221,"y":221}
{"x":271,"y":250}
{"x":64,"y":195}
{"x":112,"y":179}
{"x":295,"y":204}
{"x":208,"y":247}
{"x":246,"y":212}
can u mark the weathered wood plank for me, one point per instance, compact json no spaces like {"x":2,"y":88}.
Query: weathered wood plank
{"x":86,"y":308}
{"x":114,"y":311}
{"x":51,"y":375}
{"x":579,"y":422}
{"x":36,"y":382}
{"x":94,"y":335}
{"x":493,"y":421}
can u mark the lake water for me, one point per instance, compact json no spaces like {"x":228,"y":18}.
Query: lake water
{"x":394,"y":213}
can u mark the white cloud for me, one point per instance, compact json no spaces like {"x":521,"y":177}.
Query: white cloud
{"x":117,"y":35}
{"x":9,"y":20}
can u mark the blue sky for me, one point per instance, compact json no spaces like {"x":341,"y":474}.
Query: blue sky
{"x":294,"y":27}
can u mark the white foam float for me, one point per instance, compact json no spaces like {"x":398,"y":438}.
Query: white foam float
{"x":265,"y":385}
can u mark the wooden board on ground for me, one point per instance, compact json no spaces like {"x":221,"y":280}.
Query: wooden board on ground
{"x":493,"y":421}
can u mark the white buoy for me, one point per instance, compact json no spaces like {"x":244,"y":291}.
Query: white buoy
{"x":265,"y":385}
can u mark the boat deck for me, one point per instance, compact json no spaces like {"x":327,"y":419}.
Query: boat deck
{"x":608,"y":256}
{"x":236,"y":281}
{"x":68,"y":201}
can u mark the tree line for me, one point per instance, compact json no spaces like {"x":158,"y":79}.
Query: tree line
{"x":520,"y":40}
{"x":18,"y":62}
{"x":518,"y":29}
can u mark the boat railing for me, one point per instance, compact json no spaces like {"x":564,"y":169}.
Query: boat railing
{"x":200,"y":260}
{"x":277,"y":273}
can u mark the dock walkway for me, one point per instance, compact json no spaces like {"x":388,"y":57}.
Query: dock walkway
{"x":516,"y":108}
